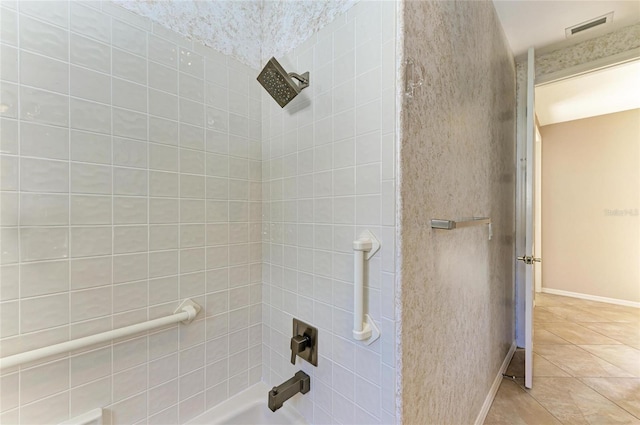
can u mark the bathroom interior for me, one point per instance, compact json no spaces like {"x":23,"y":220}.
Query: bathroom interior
{"x":227,"y":171}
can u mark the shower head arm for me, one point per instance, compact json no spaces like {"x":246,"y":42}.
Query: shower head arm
{"x":303,"y":79}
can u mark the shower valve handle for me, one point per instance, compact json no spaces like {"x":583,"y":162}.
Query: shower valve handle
{"x":298,"y":344}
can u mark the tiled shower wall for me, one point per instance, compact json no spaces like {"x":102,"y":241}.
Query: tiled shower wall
{"x":328,"y":174}
{"x":130,"y":179}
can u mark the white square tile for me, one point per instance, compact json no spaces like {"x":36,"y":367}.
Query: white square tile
{"x":368,"y":117}
{"x":9,"y":209}
{"x":163,"y":78}
{"x":192,"y":235}
{"x":56,"y":12}
{"x":89,"y":22}
{"x":388,"y":111}
{"x":44,"y":141}
{"x":48,"y":410}
{"x":90,"y":116}
{"x":368,"y":86}
{"x":90,"y":209}
{"x":191,"y":87}
{"x":44,"y":278}
{"x":45,"y":380}
{"x":191,"y":162}
{"x":164,"y":184}
{"x":344,"y":126}
{"x":216,"y":71}
{"x":163,"y":104}
{"x":38,"y":175}
{"x":129,"y":153}
{"x":90,"y":147}
{"x":44,"y":312}
{"x":90,"y":241}
{"x":368,"y":179}
{"x":129,"y":382}
{"x":162,"y":237}
{"x":10,"y":95}
{"x":90,"y":303}
{"x":8,"y":312}
{"x":163,"y":51}
{"x":132,"y":125}
{"x":55,"y":79}
{"x":9,"y":27}
{"x":89,"y":178}
{"x":129,"y":210}
{"x":163,"y":210}
{"x":130,"y":267}
{"x":192,"y":137}
{"x":8,"y":136}
{"x":90,"y":272}
{"x":9,"y":172}
{"x":85,"y":398}
{"x":163,"y":263}
{"x":90,"y":85}
{"x":41,"y":106}
{"x":162,"y":396}
{"x":129,"y":66}
{"x":44,"y":209}
{"x":90,"y":53}
{"x":191,"y":63}
{"x":388,"y":203}
{"x":163,"y":131}
{"x":217,"y":96}
{"x":129,"y":38}
{"x":9,"y":65}
{"x":163,"y":157}
{"x":191,"y":112}
{"x":90,"y":366}
{"x":9,"y":385}
{"x":128,"y":239}
{"x":42,"y":38}
{"x":129,"y":95}
{"x":130,"y":410}
{"x":128,"y":181}
{"x":163,"y":289}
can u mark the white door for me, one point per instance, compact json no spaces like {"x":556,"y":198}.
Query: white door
{"x":524,"y":226}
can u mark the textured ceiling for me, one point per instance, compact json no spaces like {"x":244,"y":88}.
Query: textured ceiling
{"x":250,"y":31}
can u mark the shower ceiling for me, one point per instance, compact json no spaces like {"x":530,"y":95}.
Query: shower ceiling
{"x":250,"y":31}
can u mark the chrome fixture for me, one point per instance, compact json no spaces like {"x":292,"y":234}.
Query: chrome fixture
{"x":304,"y":342}
{"x":281,"y":85}
{"x":438,"y":223}
{"x":300,"y":383}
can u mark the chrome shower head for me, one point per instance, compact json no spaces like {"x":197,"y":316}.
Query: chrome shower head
{"x":279,"y":84}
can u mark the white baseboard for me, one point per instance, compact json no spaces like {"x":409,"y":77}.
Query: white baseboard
{"x":494,"y":387}
{"x":591,"y":297}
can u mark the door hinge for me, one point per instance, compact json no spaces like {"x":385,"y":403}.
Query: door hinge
{"x":527,"y":259}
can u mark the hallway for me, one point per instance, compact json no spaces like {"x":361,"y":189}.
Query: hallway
{"x":586,"y":367}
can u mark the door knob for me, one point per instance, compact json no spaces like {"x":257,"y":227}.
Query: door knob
{"x":530,"y":260}
{"x":299,"y":343}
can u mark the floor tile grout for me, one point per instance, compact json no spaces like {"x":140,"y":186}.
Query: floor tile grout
{"x":559,"y":311}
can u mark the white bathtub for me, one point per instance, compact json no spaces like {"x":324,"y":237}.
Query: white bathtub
{"x":249,"y":408}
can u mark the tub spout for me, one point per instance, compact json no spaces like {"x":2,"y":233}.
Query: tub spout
{"x":300,"y":383}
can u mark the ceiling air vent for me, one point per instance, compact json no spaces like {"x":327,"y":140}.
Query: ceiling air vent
{"x":590,"y":24}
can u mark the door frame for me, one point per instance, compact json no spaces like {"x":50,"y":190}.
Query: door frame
{"x":519,"y":290}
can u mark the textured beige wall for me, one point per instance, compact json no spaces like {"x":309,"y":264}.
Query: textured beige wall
{"x":590,"y":166}
{"x":457,"y":159}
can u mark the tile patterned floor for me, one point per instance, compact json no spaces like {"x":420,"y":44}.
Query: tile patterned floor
{"x":586,"y":367}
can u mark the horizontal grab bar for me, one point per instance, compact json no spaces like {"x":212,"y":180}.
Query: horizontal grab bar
{"x":437,"y":223}
{"x":185,"y":313}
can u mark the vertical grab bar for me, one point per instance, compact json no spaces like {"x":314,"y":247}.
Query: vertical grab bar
{"x":364,"y":328}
